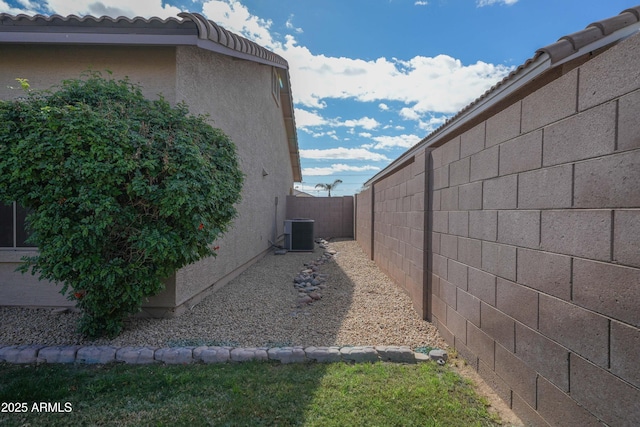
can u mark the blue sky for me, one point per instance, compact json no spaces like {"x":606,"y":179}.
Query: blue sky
{"x":370,"y":78}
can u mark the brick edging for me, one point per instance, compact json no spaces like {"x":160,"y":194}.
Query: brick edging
{"x":36,"y":354}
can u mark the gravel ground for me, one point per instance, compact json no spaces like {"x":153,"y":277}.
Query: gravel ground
{"x":360,"y":306}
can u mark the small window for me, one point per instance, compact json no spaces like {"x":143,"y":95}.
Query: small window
{"x":276,"y":85}
{"x":13,"y":231}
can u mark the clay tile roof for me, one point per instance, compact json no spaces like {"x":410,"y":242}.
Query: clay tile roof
{"x":190,"y":24}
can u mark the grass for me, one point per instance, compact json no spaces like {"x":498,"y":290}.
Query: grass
{"x":251,"y":394}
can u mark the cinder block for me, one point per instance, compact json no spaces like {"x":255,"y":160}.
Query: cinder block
{"x":610,"y":181}
{"x":582,"y":331}
{"x":583,"y":233}
{"x":470,"y":252}
{"x":628,"y":123}
{"x":498,"y":326}
{"x":472,"y":141}
{"x":546,"y":272}
{"x":446,"y":334}
{"x":451,"y":151}
{"x":484,"y":165}
{"x":457,"y":325}
{"x":499,"y":260}
{"x":551,"y":103}
{"x":448,"y":293}
{"x":519,"y":228}
{"x":601,"y":80}
{"x":469,"y":356}
{"x":449,"y":199}
{"x":543,"y":355}
{"x":449,"y":246}
{"x":481,"y":344}
{"x":459,"y":223}
{"x":548,"y":188}
{"x":439,"y":308}
{"x":558,"y":409}
{"x":457,"y":274}
{"x":500,"y":193}
{"x":517,"y":301}
{"x":589,"y":382}
{"x":625,"y":342}
{"x":626,"y":238}
{"x":521,"y":154}
{"x":482,"y":285}
{"x":498,"y":385}
{"x":483,"y":225}
{"x":436,"y":200}
{"x":583,"y":136}
{"x":440,"y":266}
{"x":608,"y":289}
{"x":440,"y":178}
{"x":435,"y":242}
{"x":441,"y":221}
{"x":468,"y":307}
{"x":517,"y":374}
{"x":435,"y":158}
{"x":504,"y":125}
{"x":525,"y":412}
{"x":459,"y":172}
{"x":470,"y":196}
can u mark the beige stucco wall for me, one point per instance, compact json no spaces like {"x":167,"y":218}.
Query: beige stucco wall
{"x":237,"y":95}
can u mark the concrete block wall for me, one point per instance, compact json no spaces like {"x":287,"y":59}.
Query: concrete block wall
{"x":333,"y":216}
{"x":536,"y":280}
{"x":363,"y":216}
{"x":398,"y":245}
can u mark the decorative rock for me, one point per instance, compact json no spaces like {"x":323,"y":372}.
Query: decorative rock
{"x":175,"y":355}
{"x":93,"y":354}
{"x":323,"y":354}
{"x":315,"y":296}
{"x":396,"y":354}
{"x":305,"y":300}
{"x":246,"y":354}
{"x":440,"y":356}
{"x":212,"y":354}
{"x":136,"y":355}
{"x":58,"y":354}
{"x":421,"y":357}
{"x":287,"y":354}
{"x":359,"y":354}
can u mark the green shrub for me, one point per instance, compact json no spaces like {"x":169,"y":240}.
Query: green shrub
{"x":122,"y":191}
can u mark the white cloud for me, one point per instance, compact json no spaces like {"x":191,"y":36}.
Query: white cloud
{"x":342,"y":153}
{"x":421,"y":3}
{"x":383,"y":106}
{"x":306,"y":119}
{"x":409,"y":114}
{"x":365,"y":134}
{"x":481,"y":3}
{"x":336,"y":168}
{"x":235,"y":17}
{"x":289,"y":25}
{"x":386,"y":142}
{"x":113,"y":8}
{"x":4,"y":7}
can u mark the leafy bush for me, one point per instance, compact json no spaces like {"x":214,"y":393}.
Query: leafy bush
{"x":122,"y":191}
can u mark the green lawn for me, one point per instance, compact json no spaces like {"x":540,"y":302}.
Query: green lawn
{"x":251,"y":394}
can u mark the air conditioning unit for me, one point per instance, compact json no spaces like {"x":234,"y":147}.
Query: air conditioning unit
{"x":298,"y":235}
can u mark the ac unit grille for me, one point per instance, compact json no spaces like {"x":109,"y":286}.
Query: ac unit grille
{"x":299,"y":234}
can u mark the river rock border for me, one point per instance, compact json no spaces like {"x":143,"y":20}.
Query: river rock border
{"x":37,"y":354}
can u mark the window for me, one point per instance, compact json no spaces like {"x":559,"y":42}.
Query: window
{"x":276,"y":85}
{"x":13,"y":233}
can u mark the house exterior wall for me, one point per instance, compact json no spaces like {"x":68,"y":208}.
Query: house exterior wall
{"x":534,"y":261}
{"x":44,"y":67}
{"x":236,"y":94}
{"x":333,"y":216}
{"x":257,"y":128}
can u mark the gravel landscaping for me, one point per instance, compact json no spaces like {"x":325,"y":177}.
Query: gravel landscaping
{"x":359,"y":306}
